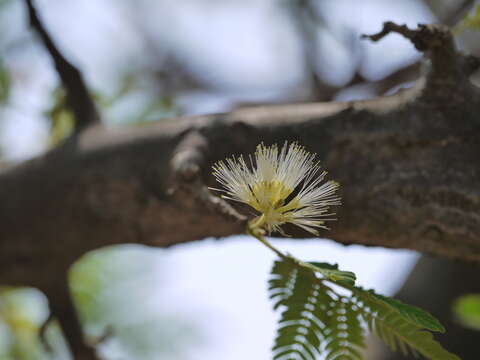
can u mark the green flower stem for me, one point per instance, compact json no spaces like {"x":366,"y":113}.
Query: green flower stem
{"x":254,"y":229}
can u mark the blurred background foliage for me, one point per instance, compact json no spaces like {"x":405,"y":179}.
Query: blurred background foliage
{"x":467,"y":310}
{"x":112,"y":291}
{"x":147,"y":60}
{"x":113,"y":281}
{"x":22,"y":313}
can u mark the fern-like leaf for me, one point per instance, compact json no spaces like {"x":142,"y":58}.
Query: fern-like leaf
{"x":303,"y":320}
{"x":315,"y":320}
{"x":281,"y":283}
{"x":411,"y":313}
{"x":397,"y":330}
{"x":345,"y":335}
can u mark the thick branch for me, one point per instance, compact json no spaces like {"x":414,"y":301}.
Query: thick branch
{"x":408,"y":165}
{"x":78,"y":97}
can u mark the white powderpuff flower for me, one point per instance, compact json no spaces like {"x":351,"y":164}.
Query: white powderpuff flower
{"x":283,"y":186}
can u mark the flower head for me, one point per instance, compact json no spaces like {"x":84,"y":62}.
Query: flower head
{"x":283,"y":186}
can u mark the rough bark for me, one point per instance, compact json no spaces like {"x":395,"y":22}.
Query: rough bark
{"x":408,"y":165}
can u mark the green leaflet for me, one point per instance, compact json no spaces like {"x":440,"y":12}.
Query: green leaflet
{"x":410,"y":313}
{"x":345,"y":338}
{"x":331,"y":272}
{"x":316,"y":320}
{"x":328,"y":271}
{"x":281,"y":283}
{"x":398,"y":333}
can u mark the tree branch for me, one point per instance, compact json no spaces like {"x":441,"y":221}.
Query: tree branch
{"x":411,"y":72}
{"x":63,"y":310}
{"x":446,"y":65}
{"x":78,"y":97}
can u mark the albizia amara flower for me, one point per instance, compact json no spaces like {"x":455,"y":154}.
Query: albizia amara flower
{"x":285,"y":186}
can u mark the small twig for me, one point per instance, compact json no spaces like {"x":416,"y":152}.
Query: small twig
{"x":189,"y":157}
{"x":411,"y":71}
{"x":78,"y":97}
{"x":389,"y":27}
{"x":432,"y":37}
{"x":447,"y":68}
{"x":43,"y":334}
{"x":402,"y":75}
{"x":107,"y":334}
{"x":62,"y":308}
{"x":423,"y":38}
{"x":186,"y":165}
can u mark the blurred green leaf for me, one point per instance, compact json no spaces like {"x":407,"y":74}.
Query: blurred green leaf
{"x":62,"y":121}
{"x":113,"y":289}
{"x":4,"y":83}
{"x":307,"y":301}
{"x":467,"y":310}
{"x":23,"y":311}
{"x":471,"y":21}
{"x":137,"y":101}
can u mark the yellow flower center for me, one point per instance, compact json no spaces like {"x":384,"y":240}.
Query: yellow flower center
{"x":268,"y":195}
